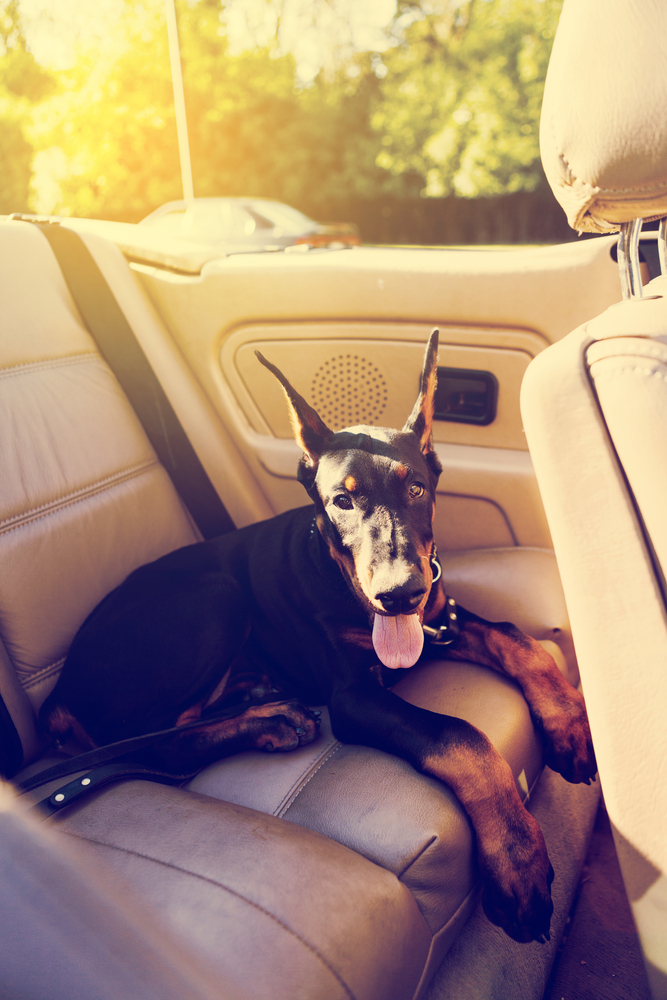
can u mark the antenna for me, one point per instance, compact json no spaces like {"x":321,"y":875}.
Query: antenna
{"x":179,"y":100}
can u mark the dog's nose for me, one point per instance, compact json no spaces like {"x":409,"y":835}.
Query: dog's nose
{"x":401,"y":602}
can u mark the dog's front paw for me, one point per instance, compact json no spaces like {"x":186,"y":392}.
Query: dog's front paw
{"x":568,"y":746}
{"x":518,"y":877}
{"x":282,"y":725}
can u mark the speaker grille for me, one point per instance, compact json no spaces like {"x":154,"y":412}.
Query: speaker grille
{"x":349,"y":389}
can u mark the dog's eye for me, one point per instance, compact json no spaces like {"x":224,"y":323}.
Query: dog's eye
{"x":343,"y":502}
{"x":416,"y":491}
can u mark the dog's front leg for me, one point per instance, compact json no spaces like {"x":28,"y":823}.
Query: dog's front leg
{"x":271,"y":726}
{"x":557,"y":709}
{"x":511,"y":850}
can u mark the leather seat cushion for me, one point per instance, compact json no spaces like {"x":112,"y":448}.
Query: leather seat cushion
{"x":377,"y":804}
{"x":223,"y":878}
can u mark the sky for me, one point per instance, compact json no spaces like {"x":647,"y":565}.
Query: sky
{"x":310,"y":29}
{"x":53,"y":28}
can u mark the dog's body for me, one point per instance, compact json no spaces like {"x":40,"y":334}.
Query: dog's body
{"x":315,"y":598}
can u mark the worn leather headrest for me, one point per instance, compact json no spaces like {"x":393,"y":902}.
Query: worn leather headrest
{"x":603,"y":134}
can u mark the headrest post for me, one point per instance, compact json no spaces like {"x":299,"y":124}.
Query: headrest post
{"x":662,"y":246}
{"x":628,"y":259}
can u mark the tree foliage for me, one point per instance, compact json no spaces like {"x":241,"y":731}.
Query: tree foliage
{"x":461,"y":99}
{"x":450,"y":104}
{"x":23,"y":83}
{"x":253,"y":131}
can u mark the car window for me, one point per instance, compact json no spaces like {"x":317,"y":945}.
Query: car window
{"x":172,"y":222}
{"x":261,"y":221}
{"x":288,"y":219}
{"x":218,"y":220}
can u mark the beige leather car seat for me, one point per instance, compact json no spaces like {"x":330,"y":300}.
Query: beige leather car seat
{"x":334,"y":871}
{"x":595,"y":413}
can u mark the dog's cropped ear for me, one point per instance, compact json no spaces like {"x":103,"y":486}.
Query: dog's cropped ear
{"x":420,"y":421}
{"x":310,"y":431}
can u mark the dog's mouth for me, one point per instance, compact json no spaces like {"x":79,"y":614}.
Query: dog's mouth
{"x":398,"y":640}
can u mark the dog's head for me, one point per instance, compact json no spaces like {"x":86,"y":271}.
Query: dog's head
{"x":374,"y":491}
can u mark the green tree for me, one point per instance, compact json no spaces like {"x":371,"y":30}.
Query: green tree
{"x":111,"y":128}
{"x":255,"y":131}
{"x":461,"y":98}
{"x":451,"y":105}
{"x":15,"y":167}
{"x":23,"y":83}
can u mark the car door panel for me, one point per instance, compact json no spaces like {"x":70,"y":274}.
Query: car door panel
{"x":348,"y":329}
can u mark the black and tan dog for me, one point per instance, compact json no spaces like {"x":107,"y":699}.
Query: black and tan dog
{"x":315,"y":598}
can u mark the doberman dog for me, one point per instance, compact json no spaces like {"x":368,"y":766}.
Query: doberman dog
{"x":315,"y":598}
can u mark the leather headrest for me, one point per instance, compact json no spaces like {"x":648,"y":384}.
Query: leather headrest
{"x":603,"y":133}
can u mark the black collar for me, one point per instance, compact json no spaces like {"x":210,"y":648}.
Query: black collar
{"x":443,"y":633}
{"x":447,"y":631}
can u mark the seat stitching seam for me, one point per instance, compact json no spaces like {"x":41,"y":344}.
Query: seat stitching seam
{"x":70,"y":499}
{"x":573,"y":177}
{"x":595,"y":189}
{"x":432,"y":840}
{"x":639,"y":348}
{"x":67,"y":359}
{"x":233,"y":892}
{"x":630,"y":190}
{"x":290,"y":795}
{"x":42,"y":674}
{"x":628,"y":370}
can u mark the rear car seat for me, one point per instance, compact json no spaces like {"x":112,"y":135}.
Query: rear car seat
{"x":333,"y":871}
{"x":603,"y":472}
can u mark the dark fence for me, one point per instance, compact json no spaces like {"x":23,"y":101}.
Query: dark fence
{"x":525,"y":217}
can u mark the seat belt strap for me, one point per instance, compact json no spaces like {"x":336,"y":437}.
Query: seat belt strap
{"x":113,"y":762}
{"x":121,"y":350}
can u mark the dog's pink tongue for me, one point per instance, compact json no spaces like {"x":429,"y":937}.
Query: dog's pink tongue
{"x":398,"y":641}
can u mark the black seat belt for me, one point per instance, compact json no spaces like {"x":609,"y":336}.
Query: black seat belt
{"x":113,"y":762}
{"x":119,"y":347}
{"x":124,"y":355}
